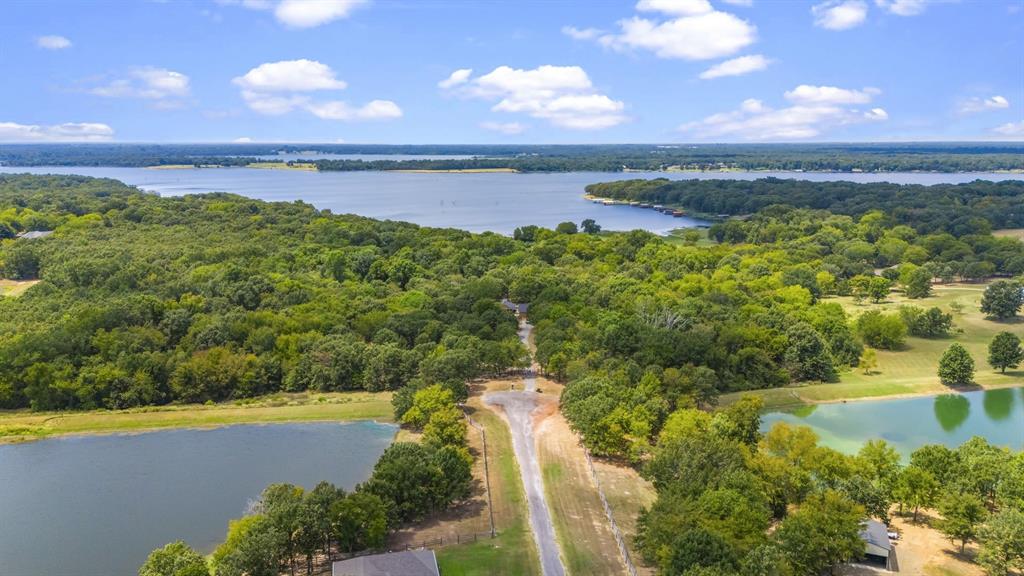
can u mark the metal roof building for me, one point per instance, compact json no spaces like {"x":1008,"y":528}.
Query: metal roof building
{"x":409,"y":563}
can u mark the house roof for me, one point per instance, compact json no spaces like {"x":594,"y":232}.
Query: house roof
{"x":876,"y":538}
{"x":408,"y":563}
{"x":520,"y":308}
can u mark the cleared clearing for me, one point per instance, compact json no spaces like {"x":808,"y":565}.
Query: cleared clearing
{"x":15,"y":288}
{"x":912,"y":370}
{"x":20,"y":426}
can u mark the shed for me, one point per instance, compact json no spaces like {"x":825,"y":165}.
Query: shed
{"x":877,"y":547}
{"x":408,"y":563}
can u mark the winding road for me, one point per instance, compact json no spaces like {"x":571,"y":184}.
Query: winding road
{"x":519,"y":406}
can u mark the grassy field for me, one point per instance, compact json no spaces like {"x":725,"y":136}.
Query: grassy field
{"x":513,"y":551}
{"x":309,"y":167}
{"x":15,"y":288}
{"x":912,"y":370}
{"x":18,"y":426}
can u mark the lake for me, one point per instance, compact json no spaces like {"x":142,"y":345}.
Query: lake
{"x":497,"y":202}
{"x":909,"y":423}
{"x":97,"y":505}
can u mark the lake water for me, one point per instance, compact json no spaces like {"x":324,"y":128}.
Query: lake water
{"x":497,"y":202}
{"x":909,"y":423}
{"x":97,"y":505}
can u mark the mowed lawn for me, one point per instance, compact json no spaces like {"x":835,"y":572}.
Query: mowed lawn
{"x":913,"y":369}
{"x":22,"y":425}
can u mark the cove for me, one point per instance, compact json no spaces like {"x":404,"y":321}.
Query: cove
{"x":97,"y":505}
{"x":909,"y":423}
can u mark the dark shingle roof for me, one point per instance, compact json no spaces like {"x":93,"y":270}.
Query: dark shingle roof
{"x":410,"y":563}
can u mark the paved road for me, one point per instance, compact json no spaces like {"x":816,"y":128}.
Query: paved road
{"x":519,"y":406}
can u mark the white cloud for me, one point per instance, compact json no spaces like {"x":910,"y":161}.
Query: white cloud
{"x":290,"y":76}
{"x":312,"y":13}
{"x":53,"y":42}
{"x":242,"y":140}
{"x":739,"y":2}
{"x":1012,"y":129}
{"x":581,"y":34}
{"x":166,"y":89}
{"x":301,"y":13}
{"x":697,"y":37}
{"x":460,"y":76}
{"x":675,"y":7}
{"x":562,"y":95}
{"x":67,"y":132}
{"x":840,"y":14}
{"x":509,"y":128}
{"x":807,"y":94}
{"x":736,"y":67}
{"x":976,"y":104}
{"x":813,"y":113}
{"x":276,"y":88}
{"x":684,"y":29}
{"x":374,"y":110}
{"x":902,"y":7}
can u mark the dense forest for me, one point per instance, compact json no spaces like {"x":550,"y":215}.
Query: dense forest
{"x":960,"y":209}
{"x":963,"y":157}
{"x":149,"y":300}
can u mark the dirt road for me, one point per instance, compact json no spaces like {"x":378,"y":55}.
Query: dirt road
{"x":519,"y":406}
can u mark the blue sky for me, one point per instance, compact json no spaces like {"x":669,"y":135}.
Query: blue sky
{"x":438,"y":71}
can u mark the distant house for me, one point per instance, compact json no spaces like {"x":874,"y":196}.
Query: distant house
{"x":409,"y":563}
{"x":34,"y":234}
{"x":877,"y":547}
{"x":514,"y":307}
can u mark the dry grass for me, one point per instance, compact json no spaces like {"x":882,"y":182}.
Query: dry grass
{"x":15,"y":288}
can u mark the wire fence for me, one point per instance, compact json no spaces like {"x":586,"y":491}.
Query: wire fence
{"x":619,"y":540}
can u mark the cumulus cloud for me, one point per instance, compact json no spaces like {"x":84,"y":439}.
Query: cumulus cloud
{"x":302,"y":13}
{"x":276,"y":88}
{"x":374,"y":110}
{"x":902,"y":7}
{"x":242,"y":140}
{"x":683,"y":29}
{"x":581,"y":34}
{"x":840,"y":14}
{"x":1012,"y":129}
{"x":166,"y":88}
{"x":290,"y":76}
{"x":53,"y":42}
{"x":736,"y":67}
{"x":561,"y":95}
{"x":460,"y":76}
{"x":976,"y":104}
{"x":509,"y":128}
{"x":814,"y":111}
{"x":807,"y":94}
{"x":67,"y":132}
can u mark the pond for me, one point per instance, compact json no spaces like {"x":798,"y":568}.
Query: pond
{"x":909,"y":423}
{"x":478,"y":202}
{"x":97,"y":505}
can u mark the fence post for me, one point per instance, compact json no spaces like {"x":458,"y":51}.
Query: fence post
{"x":619,"y":540}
